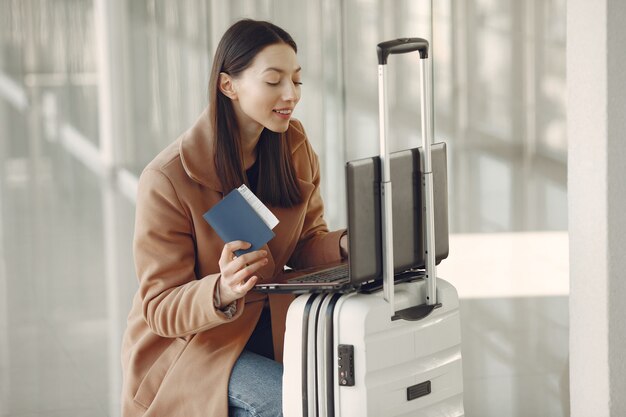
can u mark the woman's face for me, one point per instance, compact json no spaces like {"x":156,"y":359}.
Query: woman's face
{"x":266,"y":93}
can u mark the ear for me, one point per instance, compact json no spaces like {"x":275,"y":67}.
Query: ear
{"x":227,"y":86}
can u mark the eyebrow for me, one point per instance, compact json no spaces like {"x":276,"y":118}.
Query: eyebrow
{"x":280,"y":70}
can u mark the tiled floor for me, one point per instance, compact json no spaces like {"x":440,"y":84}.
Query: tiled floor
{"x":66,"y":281}
{"x":514,"y":311}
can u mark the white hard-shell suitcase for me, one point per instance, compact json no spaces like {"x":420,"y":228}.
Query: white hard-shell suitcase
{"x":395,"y":352}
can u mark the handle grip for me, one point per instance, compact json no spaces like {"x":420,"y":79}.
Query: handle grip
{"x":401,"y":46}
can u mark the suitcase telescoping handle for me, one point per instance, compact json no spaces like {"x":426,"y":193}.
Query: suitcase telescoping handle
{"x":384,"y":49}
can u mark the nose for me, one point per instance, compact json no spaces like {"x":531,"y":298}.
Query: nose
{"x":291,"y":92}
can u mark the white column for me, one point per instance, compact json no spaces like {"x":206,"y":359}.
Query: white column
{"x":110,"y":26}
{"x":596,"y":114}
{"x":111,"y":36}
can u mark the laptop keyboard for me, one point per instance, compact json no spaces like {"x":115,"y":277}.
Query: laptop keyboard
{"x":327,"y":275}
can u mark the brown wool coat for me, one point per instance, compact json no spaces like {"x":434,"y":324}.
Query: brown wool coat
{"x":178,"y":350}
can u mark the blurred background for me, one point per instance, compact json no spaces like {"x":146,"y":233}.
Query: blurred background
{"x":92,"y":90}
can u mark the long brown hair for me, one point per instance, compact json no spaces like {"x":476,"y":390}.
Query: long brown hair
{"x":235,"y":52}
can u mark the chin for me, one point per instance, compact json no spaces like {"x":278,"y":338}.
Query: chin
{"x":278,"y":127}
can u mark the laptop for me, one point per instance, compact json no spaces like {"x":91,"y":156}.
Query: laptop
{"x":364,"y":264}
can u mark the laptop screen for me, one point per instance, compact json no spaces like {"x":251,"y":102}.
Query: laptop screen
{"x":364,"y":224}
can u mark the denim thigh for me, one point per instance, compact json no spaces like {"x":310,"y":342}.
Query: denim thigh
{"x":255,"y":387}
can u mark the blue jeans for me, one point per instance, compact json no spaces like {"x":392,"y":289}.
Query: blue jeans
{"x":255,"y":388}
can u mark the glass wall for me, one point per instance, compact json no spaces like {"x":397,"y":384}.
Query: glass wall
{"x":166,"y":69}
{"x":499,"y":78}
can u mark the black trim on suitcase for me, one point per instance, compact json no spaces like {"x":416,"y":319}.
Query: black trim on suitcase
{"x":330,"y":369}
{"x":317,"y":376}
{"x":305,"y":344}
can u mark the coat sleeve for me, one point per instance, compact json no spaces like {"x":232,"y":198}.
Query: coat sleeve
{"x":174,"y":302}
{"x":316,"y":245}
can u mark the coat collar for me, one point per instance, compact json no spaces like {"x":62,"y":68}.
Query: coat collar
{"x":197,"y":156}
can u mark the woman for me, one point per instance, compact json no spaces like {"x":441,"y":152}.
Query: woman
{"x":200,"y":341}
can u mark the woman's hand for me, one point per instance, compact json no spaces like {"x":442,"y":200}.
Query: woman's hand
{"x":236,"y":279}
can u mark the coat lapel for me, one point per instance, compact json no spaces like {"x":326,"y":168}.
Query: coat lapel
{"x":197,"y":155}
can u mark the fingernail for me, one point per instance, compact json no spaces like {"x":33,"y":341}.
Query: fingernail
{"x":265,"y":261}
{"x":263,"y":252}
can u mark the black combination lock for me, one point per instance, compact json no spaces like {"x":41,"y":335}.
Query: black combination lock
{"x":345,"y":373}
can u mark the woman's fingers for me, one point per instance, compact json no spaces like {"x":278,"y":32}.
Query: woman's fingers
{"x":248,"y":270}
{"x":249,"y":284}
{"x":228,"y":251}
{"x":237,"y":270}
{"x":248,"y":259}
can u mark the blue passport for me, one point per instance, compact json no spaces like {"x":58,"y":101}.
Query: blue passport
{"x":235,"y":218}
